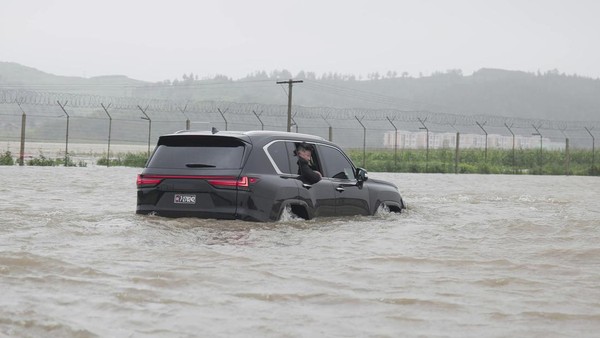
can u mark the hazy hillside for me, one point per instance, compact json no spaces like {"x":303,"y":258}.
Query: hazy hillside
{"x":488,"y":91}
{"x":14,"y":75}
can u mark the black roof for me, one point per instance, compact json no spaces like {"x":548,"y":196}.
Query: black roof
{"x":252,"y":135}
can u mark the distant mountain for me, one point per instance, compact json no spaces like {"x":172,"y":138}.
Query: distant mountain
{"x":497,"y":92}
{"x":14,"y":75}
{"x":550,"y":95}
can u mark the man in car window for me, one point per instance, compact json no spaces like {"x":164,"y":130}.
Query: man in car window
{"x":306,"y":170}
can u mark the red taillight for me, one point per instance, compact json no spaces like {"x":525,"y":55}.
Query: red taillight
{"x":147,"y":181}
{"x":215,"y":181}
{"x":243,"y":182}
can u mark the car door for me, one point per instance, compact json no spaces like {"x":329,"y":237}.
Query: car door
{"x":351,"y":197}
{"x":320,"y":196}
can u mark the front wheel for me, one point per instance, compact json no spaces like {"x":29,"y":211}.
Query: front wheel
{"x":386,"y":208}
{"x":293,"y":212}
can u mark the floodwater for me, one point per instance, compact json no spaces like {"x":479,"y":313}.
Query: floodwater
{"x":474,"y":255}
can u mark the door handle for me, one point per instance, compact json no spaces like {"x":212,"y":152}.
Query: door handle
{"x":340,"y":189}
{"x":307,"y":186}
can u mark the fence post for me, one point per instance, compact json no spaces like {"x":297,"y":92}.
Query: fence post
{"x":593,"y":150}
{"x":395,"y":143}
{"x":294,"y":122}
{"x":537,"y":132}
{"x":262,"y":125}
{"x":223,"y":115}
{"x":146,"y":117}
{"x":486,"y":139}
{"x":330,"y":129}
{"x":187,"y":119}
{"x":364,"y":140}
{"x":456,"y":153}
{"x":109,"y":132}
{"x":427,"y":142}
{"x":568,"y":157}
{"x":513,"y":147}
{"x":567,"y":154}
{"x":62,"y":106}
{"x":23,"y":125}
{"x":457,"y":150}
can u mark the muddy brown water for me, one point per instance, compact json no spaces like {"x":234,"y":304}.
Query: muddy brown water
{"x":474,"y":255}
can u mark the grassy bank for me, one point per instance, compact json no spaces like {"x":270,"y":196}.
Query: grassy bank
{"x":476,"y":161}
{"x":470,"y":161}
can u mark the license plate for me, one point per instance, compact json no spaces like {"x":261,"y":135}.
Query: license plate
{"x":185,"y":199}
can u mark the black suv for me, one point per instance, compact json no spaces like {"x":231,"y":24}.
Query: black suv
{"x":254,"y":176}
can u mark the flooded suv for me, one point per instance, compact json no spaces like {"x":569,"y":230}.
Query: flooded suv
{"x":254,"y":176}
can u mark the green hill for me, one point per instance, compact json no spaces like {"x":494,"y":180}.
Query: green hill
{"x":14,"y":75}
{"x":551,"y":95}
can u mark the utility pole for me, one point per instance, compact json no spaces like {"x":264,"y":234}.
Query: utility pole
{"x":290,"y":82}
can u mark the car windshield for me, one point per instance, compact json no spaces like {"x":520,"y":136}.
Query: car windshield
{"x":198,"y":152}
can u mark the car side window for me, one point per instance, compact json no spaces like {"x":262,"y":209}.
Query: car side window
{"x":293,"y":164}
{"x":315,"y":163}
{"x":335,"y":164}
{"x":279,"y":153}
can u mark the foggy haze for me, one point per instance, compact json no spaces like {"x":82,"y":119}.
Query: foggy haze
{"x":159,"y":40}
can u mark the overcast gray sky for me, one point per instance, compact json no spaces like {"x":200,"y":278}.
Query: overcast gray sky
{"x":156,"y":40}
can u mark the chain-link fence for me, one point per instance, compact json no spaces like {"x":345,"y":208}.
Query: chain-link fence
{"x":33,"y":120}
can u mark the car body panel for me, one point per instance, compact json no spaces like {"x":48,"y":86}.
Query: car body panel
{"x":352,"y":198}
{"x":320,"y":197}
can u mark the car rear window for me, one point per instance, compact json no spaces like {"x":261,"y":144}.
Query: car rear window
{"x":185,"y":152}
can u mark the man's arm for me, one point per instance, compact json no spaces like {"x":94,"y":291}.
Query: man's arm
{"x":307,"y":173}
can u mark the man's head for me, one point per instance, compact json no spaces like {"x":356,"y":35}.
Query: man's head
{"x":304,"y":150}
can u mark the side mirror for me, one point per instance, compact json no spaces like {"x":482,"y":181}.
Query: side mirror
{"x":361,"y":175}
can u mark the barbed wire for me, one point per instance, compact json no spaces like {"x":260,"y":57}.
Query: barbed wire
{"x":23,"y":97}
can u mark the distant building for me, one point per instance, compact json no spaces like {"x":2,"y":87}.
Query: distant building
{"x":418,"y":140}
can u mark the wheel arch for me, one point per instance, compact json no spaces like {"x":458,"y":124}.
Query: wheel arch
{"x":394,"y":206}
{"x":298,"y":207}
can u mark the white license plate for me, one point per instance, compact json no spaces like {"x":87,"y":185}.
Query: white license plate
{"x":185,"y":199}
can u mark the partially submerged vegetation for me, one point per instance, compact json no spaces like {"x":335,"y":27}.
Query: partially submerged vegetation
{"x":125,"y":160}
{"x":42,"y":161}
{"x":477,"y":161}
{"x":6,"y":158}
{"x":471,"y":161}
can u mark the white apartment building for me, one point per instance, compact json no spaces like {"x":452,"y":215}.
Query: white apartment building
{"x":418,"y":140}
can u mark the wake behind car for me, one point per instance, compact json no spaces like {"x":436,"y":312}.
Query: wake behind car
{"x":254,"y":176}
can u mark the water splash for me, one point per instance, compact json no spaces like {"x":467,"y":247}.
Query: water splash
{"x":288,"y":216}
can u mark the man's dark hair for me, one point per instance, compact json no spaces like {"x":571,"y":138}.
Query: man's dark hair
{"x":305,"y":146}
